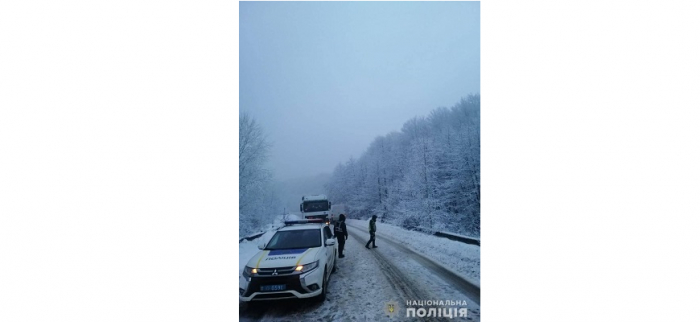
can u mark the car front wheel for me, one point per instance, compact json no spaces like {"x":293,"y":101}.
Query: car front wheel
{"x":324,"y":289}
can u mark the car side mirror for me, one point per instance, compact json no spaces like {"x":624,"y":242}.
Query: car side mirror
{"x":261,"y":245}
{"x":330,"y":242}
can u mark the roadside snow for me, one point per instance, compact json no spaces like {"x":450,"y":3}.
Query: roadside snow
{"x":463,"y":258}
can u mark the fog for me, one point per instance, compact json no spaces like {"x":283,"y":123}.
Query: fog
{"x":323,"y":79}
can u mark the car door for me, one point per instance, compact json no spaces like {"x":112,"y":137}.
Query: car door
{"x":330,"y":254}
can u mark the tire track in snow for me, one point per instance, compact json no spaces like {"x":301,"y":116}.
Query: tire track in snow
{"x":399,"y":282}
{"x":472,"y":291}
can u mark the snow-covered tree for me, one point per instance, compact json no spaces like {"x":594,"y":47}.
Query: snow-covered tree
{"x":257,"y":202}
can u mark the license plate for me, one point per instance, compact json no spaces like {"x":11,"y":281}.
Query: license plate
{"x":273,"y":288}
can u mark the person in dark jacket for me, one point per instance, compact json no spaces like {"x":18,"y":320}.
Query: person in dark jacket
{"x":372,"y":231}
{"x":341,"y":233}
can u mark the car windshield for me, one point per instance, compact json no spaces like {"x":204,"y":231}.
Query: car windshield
{"x":311,"y":206}
{"x":290,"y":239}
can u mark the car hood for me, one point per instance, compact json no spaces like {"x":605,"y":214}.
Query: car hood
{"x":283,"y":257}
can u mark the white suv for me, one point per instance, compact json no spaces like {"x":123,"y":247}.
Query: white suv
{"x":296,"y":263}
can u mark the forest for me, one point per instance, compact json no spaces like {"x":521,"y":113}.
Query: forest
{"x":425,"y":177}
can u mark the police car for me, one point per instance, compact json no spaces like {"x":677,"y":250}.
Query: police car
{"x":296,"y":263}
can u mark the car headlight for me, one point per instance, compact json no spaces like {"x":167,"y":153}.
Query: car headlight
{"x":307,"y":267}
{"x":249,"y":271}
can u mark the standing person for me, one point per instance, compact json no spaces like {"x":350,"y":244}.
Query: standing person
{"x":372,"y":231}
{"x":341,"y":233}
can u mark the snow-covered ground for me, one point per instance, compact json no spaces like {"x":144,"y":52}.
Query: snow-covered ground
{"x":460,"y":257}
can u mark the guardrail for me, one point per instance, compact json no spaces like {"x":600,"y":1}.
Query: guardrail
{"x":464,"y":239}
{"x":451,"y":236}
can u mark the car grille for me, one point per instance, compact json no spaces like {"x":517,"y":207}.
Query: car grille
{"x":280,"y":271}
{"x":274,"y":296}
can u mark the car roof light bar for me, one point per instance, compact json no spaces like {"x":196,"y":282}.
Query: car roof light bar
{"x":303,"y":221}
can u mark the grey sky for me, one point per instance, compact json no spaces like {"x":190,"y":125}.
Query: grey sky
{"x":325,"y":78}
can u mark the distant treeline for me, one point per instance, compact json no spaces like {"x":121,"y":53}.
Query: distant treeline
{"x":425,"y":177}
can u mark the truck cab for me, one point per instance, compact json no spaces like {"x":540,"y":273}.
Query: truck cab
{"x":315,"y":207}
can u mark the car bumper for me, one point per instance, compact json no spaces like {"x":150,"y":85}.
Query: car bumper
{"x":297,"y":286}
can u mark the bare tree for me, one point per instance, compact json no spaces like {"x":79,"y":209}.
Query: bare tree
{"x":253,"y":148}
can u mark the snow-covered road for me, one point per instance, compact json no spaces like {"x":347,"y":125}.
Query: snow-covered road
{"x":367,"y":280}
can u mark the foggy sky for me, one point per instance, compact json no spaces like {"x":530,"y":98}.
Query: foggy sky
{"x":324,"y":79}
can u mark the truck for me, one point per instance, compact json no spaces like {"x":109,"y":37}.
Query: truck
{"x":316,"y":206}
